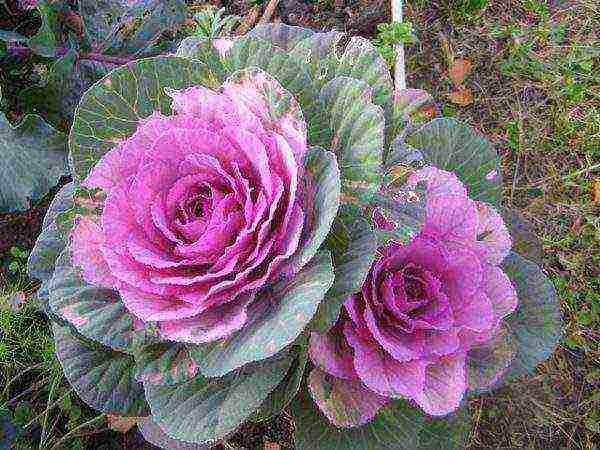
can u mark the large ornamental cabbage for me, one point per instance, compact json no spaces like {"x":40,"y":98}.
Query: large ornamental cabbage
{"x":242,"y":211}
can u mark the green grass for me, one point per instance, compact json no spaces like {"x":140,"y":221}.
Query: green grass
{"x":34,"y":394}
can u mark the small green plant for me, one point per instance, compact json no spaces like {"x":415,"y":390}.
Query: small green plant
{"x":467,"y":9}
{"x":391,"y":34}
{"x":213,"y":23}
{"x":18,"y":261}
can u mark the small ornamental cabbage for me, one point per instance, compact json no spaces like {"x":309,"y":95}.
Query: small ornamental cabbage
{"x":424,"y":305}
{"x":237,"y":237}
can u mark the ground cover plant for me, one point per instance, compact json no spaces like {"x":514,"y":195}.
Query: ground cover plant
{"x":176,"y":350}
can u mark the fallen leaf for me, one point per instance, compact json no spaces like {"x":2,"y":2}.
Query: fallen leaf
{"x":17,"y":300}
{"x":462,"y":97}
{"x":460,"y":69}
{"x":596,"y":191}
{"x":121,"y":424}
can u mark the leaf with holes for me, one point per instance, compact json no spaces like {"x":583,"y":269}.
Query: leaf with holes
{"x":34,"y":157}
{"x":455,"y":147}
{"x":358,"y":128}
{"x":102,"y":377}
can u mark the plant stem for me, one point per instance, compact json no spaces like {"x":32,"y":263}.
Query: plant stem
{"x":399,"y":68}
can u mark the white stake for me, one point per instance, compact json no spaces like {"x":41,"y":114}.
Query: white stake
{"x":400,"y":70}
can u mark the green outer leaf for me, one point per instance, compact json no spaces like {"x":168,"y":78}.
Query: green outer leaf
{"x":353,"y":244}
{"x":524,"y":240}
{"x":287,"y":389}
{"x":395,"y":427}
{"x":281,"y":35}
{"x":279,"y":318}
{"x":200,"y":49}
{"x":325,"y":187}
{"x":446,"y":433}
{"x":456,"y":147}
{"x":363,"y":61}
{"x":50,"y":243}
{"x":254,"y":52}
{"x":103,"y":378}
{"x":165,"y":363}
{"x":318,"y":54}
{"x":207,"y":410}
{"x":409,"y":107}
{"x":358,"y":130}
{"x":536,"y":325}
{"x":155,"y":436}
{"x":96,"y":313}
{"x":33,"y":160}
{"x":112,"y":108}
{"x":68,"y":79}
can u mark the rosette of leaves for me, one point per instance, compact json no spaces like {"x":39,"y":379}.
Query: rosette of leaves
{"x":363,"y":416}
{"x":192,"y":394}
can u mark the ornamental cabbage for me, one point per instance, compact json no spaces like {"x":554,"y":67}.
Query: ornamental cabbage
{"x":424,"y":305}
{"x":232,"y":208}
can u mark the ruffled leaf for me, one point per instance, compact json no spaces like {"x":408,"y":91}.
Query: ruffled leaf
{"x":455,"y":147}
{"x":279,"y":317}
{"x":536,"y":325}
{"x":323,"y":201}
{"x":112,"y":108}
{"x":358,"y":131}
{"x":254,"y":52}
{"x":394,"y":428}
{"x":360,"y":60}
{"x":102,"y":377}
{"x":353,"y":244}
{"x":96,"y":313}
{"x":207,"y":410}
{"x":34,"y":157}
